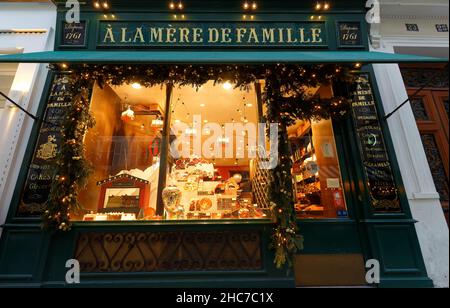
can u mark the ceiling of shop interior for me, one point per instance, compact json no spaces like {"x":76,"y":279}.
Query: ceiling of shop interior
{"x":213,"y":103}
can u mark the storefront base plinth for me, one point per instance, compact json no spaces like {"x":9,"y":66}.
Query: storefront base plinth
{"x":208,"y":255}
{"x":394,"y":244}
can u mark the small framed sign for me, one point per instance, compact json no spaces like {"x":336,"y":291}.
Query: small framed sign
{"x":74,"y":34}
{"x":349,"y":34}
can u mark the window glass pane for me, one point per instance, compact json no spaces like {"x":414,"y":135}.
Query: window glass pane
{"x":316,"y":171}
{"x":124,"y":150}
{"x":211,"y":166}
{"x":214,"y":130}
{"x":419,"y":110}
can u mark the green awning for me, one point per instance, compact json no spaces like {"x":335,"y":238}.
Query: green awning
{"x":215,"y":57}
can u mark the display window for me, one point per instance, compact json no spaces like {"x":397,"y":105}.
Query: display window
{"x":210,"y":167}
{"x":316,"y":172}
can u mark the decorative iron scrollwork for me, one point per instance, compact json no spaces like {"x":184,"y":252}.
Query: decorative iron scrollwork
{"x":168,"y":251}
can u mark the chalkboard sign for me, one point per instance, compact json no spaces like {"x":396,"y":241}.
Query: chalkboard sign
{"x":41,"y":170}
{"x":380,"y":181}
{"x":349,"y":34}
{"x":74,"y":34}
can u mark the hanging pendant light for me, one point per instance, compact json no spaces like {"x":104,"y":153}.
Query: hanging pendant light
{"x":128,"y":115}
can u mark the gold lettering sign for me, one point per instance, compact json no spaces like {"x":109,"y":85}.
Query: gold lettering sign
{"x":148,"y":34}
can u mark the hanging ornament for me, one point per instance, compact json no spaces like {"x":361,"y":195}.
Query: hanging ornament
{"x":157,"y":123}
{"x":128,"y":115}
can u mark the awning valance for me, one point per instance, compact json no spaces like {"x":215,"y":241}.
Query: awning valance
{"x":215,"y":57}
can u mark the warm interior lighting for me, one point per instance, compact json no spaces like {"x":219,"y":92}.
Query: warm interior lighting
{"x":172,"y":5}
{"x":318,"y":6}
{"x":202,"y":105}
{"x":96,"y":4}
{"x":105,"y":5}
{"x":136,"y":86}
{"x":227,"y":85}
{"x":180,"y":6}
{"x":224,"y":140}
{"x":254,"y":6}
{"x":190,"y":131}
{"x":358,"y":65}
{"x":157,"y":122}
{"x":326,"y":6}
{"x":246,"y":6}
{"x":64,"y":66}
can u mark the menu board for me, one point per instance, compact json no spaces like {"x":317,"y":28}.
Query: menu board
{"x":349,"y":34}
{"x":74,"y":34}
{"x":41,"y":170}
{"x":378,"y":170}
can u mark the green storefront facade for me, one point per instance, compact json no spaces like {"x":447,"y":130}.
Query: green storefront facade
{"x":207,"y":32}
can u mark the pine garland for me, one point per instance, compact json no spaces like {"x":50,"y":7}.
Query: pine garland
{"x":284,"y":96}
{"x":72,"y":169}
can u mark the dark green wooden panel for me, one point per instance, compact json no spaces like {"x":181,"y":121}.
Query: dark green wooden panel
{"x":20,"y":253}
{"x":331,"y":236}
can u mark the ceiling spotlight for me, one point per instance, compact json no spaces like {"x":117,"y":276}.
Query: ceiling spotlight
{"x":227,"y":85}
{"x":105,"y":5}
{"x":172,"y":6}
{"x":318,"y":6}
{"x":254,"y":6}
{"x":180,"y":6}
{"x":358,"y":65}
{"x":64,"y":66}
{"x":246,"y":6}
{"x":136,"y":86}
{"x":97,"y":4}
{"x":326,"y":6}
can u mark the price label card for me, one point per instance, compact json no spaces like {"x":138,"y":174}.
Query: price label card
{"x":333,"y":183}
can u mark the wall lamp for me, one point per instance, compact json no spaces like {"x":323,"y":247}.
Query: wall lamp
{"x":322,"y":6}
{"x":176,"y":6}
{"x":247,"y":6}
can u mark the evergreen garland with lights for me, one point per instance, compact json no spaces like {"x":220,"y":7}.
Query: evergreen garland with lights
{"x":72,"y":169}
{"x":286,"y":100}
